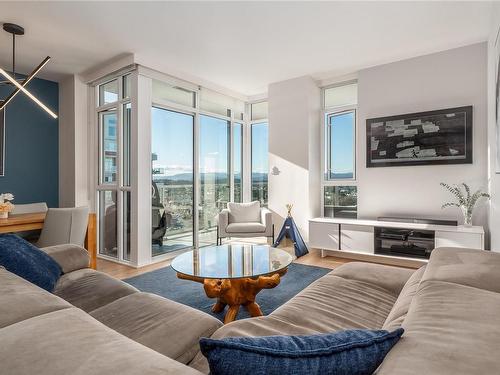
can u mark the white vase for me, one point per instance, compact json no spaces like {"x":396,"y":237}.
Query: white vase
{"x":4,"y":215}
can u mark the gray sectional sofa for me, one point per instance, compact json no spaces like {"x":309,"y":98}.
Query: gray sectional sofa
{"x":94,"y":324}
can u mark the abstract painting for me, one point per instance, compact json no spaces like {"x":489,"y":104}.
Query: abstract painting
{"x":435,"y":137}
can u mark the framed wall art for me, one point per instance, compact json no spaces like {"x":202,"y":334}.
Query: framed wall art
{"x":436,"y":137}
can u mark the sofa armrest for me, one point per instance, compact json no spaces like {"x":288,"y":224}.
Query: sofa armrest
{"x":70,"y":257}
{"x":266,"y":218}
{"x":223,"y":220}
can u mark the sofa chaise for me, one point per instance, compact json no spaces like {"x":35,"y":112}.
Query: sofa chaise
{"x":95,"y":324}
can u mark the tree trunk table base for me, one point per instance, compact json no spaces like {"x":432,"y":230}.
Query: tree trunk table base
{"x":234,"y":293}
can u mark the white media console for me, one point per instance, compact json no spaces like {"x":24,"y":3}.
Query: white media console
{"x":351,"y":237}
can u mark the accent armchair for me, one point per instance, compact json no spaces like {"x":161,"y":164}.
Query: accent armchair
{"x":244,"y":220}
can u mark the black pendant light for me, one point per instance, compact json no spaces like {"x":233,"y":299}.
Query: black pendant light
{"x":21,"y":83}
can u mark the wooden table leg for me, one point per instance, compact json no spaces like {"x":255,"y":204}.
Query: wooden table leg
{"x":254,"y":309}
{"x":91,"y":240}
{"x":218,"y":307}
{"x":231,"y":314}
{"x":236,"y":292}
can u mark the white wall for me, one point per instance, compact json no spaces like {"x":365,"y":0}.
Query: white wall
{"x":73,"y":143}
{"x":447,"y":79}
{"x":294,"y":138}
{"x":494,"y":212}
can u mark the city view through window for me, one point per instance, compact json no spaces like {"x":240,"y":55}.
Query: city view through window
{"x":198,"y":158}
{"x":260,"y":162}
{"x":173,"y":175}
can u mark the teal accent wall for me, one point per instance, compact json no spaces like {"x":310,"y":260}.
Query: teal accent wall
{"x":31,"y":170}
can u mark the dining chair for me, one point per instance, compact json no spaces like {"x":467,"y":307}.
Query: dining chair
{"x":64,"y":225}
{"x":29,"y":208}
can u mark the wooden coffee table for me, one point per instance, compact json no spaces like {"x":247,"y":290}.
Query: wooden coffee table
{"x":234,"y":274}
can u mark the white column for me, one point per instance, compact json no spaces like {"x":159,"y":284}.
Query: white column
{"x":141,"y":170}
{"x":294,"y":150}
{"x":73,"y":143}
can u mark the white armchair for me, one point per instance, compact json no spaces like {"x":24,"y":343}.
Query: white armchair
{"x":244,"y":220}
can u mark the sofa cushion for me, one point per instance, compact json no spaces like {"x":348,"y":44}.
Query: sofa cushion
{"x":70,"y":341}
{"x":244,"y":212}
{"x":24,"y":259}
{"x":402,"y":305}
{"x":351,"y":352}
{"x":354,"y":295}
{"x":246,"y":228}
{"x":70,"y":257}
{"x":89,"y":289}
{"x":20,"y":299}
{"x":166,"y":326}
{"x":476,"y":268}
{"x":334,"y":303}
{"x":450,"y":329}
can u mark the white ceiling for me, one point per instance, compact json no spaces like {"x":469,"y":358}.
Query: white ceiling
{"x":242,"y":46}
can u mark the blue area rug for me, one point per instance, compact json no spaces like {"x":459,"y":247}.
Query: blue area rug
{"x":164,"y":282}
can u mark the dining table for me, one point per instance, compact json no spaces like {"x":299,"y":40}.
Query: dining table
{"x":16,"y":223}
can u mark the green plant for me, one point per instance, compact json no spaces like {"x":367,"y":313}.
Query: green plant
{"x":466,"y":200}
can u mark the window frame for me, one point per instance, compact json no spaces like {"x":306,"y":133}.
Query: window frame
{"x":118,"y":186}
{"x":251,"y":124}
{"x":326,"y":113}
{"x":327,"y":145}
{"x":232,"y":163}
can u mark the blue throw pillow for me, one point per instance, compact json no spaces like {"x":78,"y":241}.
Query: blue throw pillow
{"x":29,"y":262}
{"x":352,"y":352}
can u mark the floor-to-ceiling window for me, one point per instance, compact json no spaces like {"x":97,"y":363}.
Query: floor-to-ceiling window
{"x":259,"y":153}
{"x":204,"y":150}
{"x":340,"y":194}
{"x":113,"y":180}
{"x":172,"y":171}
{"x":197,"y":163}
{"x":214,"y":174}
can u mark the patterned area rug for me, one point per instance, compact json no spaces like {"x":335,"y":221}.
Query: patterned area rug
{"x":164,"y":282}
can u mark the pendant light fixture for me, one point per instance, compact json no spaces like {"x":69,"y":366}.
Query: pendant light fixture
{"x":22,"y":83}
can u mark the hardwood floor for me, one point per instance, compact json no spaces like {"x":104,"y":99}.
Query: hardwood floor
{"x":121,"y":271}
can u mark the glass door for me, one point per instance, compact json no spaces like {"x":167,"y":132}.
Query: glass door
{"x":172,"y":186}
{"x":215,"y":185}
{"x":114,"y":111}
{"x":108,"y":179}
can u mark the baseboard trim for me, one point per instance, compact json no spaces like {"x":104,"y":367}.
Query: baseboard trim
{"x":376,"y":258}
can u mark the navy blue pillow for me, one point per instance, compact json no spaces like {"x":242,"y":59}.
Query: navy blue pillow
{"x":29,"y":262}
{"x":352,"y":352}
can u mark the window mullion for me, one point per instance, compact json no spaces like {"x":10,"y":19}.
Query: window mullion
{"x":231,"y":161}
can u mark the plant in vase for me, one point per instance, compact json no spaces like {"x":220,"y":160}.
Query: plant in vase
{"x":466,"y":201}
{"x":5,"y":205}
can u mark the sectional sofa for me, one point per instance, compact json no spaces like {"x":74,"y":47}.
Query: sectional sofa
{"x":95,"y":324}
